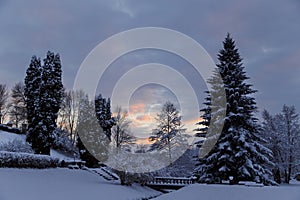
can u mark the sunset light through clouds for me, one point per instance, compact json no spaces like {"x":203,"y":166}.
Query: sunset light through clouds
{"x":144,"y":105}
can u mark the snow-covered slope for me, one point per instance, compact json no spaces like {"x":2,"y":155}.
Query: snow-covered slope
{"x":64,"y":184}
{"x":226,"y":192}
{"x":6,"y":137}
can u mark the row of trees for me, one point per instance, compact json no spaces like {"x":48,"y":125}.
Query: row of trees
{"x":14,"y":108}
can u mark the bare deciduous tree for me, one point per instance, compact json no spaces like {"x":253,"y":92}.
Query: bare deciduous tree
{"x":68,"y":115}
{"x":3,"y":101}
{"x":282,"y":133}
{"x":17,"y":105}
{"x":121,"y":133}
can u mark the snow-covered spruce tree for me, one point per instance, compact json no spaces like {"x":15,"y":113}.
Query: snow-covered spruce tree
{"x":32,"y":87}
{"x":32,"y":99}
{"x":205,"y":120}
{"x":92,"y":142}
{"x":104,"y":115}
{"x":46,"y":105}
{"x":169,"y":128}
{"x":238,"y":154}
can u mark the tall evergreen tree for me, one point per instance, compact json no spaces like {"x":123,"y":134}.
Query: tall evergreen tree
{"x":205,"y":120}
{"x":104,"y":115}
{"x":238,"y":154}
{"x":43,"y":91}
{"x":92,"y":142}
{"x":32,"y":87}
{"x":32,"y":97}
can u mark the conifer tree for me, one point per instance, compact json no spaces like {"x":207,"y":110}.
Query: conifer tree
{"x":43,"y":91}
{"x":104,"y":115}
{"x":32,"y":96}
{"x":238,"y":154}
{"x":32,"y":85}
{"x":92,"y":142}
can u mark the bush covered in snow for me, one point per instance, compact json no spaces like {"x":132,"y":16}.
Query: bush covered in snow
{"x":63,"y":143}
{"x":16,"y":145}
{"x":26,"y":160}
{"x":128,"y":178}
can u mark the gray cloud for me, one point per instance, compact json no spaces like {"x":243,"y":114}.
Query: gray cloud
{"x":266,"y":33}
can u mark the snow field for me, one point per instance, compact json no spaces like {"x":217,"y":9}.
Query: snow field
{"x":235,"y":192}
{"x":64,"y":184}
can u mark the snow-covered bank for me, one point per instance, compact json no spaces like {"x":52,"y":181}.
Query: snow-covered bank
{"x":226,"y":192}
{"x":6,"y":137}
{"x":64,"y":184}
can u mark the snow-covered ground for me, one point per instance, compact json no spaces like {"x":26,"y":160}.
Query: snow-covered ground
{"x":6,"y":137}
{"x":226,"y":192}
{"x":64,"y":184}
{"x":56,"y":184}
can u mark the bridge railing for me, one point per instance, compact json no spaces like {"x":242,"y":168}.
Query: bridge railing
{"x":171,"y":181}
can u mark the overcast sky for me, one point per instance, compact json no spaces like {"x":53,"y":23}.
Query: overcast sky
{"x":266,"y":32}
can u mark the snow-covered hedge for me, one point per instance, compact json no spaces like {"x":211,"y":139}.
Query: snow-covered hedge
{"x":10,"y":129}
{"x":16,"y":145}
{"x":63,"y":143}
{"x":27,"y":160}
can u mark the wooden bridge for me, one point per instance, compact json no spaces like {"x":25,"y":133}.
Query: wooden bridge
{"x":169,"y":183}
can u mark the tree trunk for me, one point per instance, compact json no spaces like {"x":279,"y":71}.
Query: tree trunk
{"x":286,"y":179}
{"x":233,"y":181}
{"x":277,"y":176}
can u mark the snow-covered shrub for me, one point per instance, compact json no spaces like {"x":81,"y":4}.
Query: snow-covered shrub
{"x":63,"y":142}
{"x":16,"y":145}
{"x":128,"y":178}
{"x":26,"y":160}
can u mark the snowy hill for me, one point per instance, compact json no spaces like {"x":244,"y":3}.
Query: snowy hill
{"x":64,"y":184}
